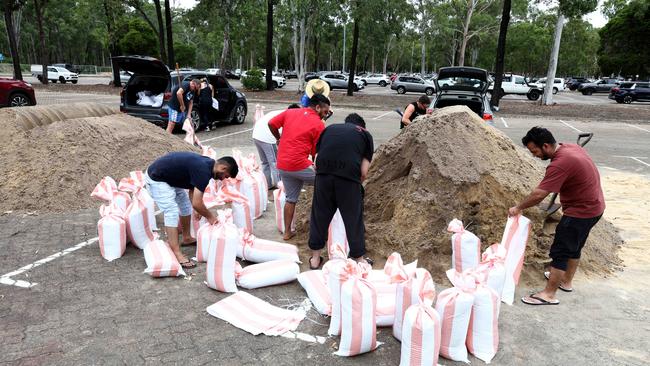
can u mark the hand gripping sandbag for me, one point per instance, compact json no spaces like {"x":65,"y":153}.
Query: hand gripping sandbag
{"x":493,"y":268}
{"x":454,"y":305}
{"x":106,"y":190}
{"x":338,"y":271}
{"x":111,"y":230}
{"x":336,"y":234}
{"x":258,"y":250}
{"x":314,"y":283}
{"x":422,"y":332}
{"x":267,"y":274}
{"x":136,"y":187}
{"x":483,"y":333}
{"x":279,"y":199}
{"x":241,"y":211}
{"x":196,"y":222}
{"x":358,"y":325}
{"x":222,"y":254}
{"x":137,"y":223}
{"x":466,"y":247}
{"x":418,"y":289}
{"x":161,"y":261}
{"x":515,"y":237}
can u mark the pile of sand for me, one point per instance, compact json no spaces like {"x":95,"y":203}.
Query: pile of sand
{"x":53,"y":156}
{"x":452,"y":165}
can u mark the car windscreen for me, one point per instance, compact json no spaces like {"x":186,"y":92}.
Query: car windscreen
{"x":462,"y":83}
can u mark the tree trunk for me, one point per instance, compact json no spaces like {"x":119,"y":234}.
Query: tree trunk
{"x":277,"y":51}
{"x":269,"y":45}
{"x":423,"y":67}
{"x":303,"y":61}
{"x":501,"y":52}
{"x":294,"y":43}
{"x":552,"y":64}
{"x":161,"y":31}
{"x":463,"y":45}
{"x":390,"y":40}
{"x":170,"y":39}
{"x":15,"y":57}
{"x":112,"y":42}
{"x":225,"y":50}
{"x":38,"y":7}
{"x":353,"y":58}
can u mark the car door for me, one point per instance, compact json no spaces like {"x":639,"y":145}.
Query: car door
{"x":642,"y":91}
{"x":224,"y":95}
{"x":520,"y":85}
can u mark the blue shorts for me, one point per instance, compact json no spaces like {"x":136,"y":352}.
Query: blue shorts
{"x":175,"y":116}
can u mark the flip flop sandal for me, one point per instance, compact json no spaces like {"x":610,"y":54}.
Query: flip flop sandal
{"x":320,"y":262}
{"x":541,"y":301}
{"x":547,"y":274}
{"x":369,"y":260}
{"x":190,"y":243}
{"x":188,"y":264}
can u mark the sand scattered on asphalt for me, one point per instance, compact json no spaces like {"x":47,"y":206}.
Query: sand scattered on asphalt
{"x":53,"y":156}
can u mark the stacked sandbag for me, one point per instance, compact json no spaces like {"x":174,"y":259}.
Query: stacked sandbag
{"x":483,"y":331}
{"x":454,"y":305}
{"x":112,"y":232}
{"x":515,"y":237}
{"x":466,"y":247}
{"x":258,"y":250}
{"x":279,"y":199}
{"x":394,"y":273}
{"x":358,"y":324}
{"x":222,"y":254}
{"x":492,"y":267}
{"x":241,"y":210}
{"x":270,"y":273}
{"x":336,"y":234}
{"x":418,"y":289}
{"x":161,"y":261}
{"x":251,"y":182}
{"x":106,"y":191}
{"x":421,"y":336}
{"x":136,"y":185}
{"x":315,"y":284}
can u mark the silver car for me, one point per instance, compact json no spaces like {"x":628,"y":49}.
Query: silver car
{"x":416,"y":84}
{"x":379,"y":79}
{"x":339,"y":81}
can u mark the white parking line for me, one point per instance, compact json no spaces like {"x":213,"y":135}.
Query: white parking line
{"x":504,"y":122}
{"x":226,"y":135}
{"x":568,"y":125}
{"x":635,"y":158}
{"x":387,"y":113}
{"x":637,"y":127}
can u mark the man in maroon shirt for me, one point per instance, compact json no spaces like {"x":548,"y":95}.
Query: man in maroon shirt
{"x":575,"y":177}
{"x":301,"y":129}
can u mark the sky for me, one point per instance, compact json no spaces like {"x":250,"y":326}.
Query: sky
{"x":596,"y":18}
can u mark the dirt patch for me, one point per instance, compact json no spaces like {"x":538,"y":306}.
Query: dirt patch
{"x":608,"y":112}
{"x":78,"y":88}
{"x":53,"y":156}
{"x":451,"y":165}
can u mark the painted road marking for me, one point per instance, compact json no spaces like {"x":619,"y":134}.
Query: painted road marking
{"x":385,"y":114}
{"x":504,"y":122}
{"x":302,"y":309}
{"x":226,"y":135}
{"x":637,"y":127}
{"x":635,"y":158}
{"x":568,"y":125}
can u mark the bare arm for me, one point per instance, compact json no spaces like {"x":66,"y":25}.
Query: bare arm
{"x":534,"y":198}
{"x":179,"y":96}
{"x":274,"y":131}
{"x":212,"y":89}
{"x":407,"y":114}
{"x":365,"y":165}
{"x":196,"y":196}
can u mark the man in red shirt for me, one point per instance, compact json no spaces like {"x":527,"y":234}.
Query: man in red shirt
{"x":301,"y":129}
{"x":575,"y":177}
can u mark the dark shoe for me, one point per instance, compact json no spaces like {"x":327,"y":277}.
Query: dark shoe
{"x":320,"y":262}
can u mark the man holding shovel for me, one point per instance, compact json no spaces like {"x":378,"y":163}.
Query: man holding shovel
{"x":575,"y":177}
{"x":182,"y":101}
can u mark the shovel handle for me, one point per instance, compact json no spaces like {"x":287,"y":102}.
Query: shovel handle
{"x":587,"y":136}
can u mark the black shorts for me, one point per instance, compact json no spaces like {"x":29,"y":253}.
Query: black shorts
{"x":570,"y":236}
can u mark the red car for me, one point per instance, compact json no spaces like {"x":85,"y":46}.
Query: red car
{"x":16,"y":93}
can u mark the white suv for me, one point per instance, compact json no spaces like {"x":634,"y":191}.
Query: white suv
{"x":516,"y":84}
{"x":379,"y":79}
{"x":278,"y":81}
{"x":558,"y":84}
{"x":54,"y":74}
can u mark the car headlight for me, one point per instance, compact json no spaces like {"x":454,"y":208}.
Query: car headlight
{"x":28,"y":85}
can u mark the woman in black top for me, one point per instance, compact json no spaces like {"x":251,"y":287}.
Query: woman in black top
{"x":206,"y":93}
{"x":415,"y":109}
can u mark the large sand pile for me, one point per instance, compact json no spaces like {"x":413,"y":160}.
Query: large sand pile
{"x":53,"y":156}
{"x":452,"y":165}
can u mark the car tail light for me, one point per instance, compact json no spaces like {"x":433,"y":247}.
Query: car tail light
{"x":167,"y":96}
{"x":487,"y":117}
{"x":615,"y":90}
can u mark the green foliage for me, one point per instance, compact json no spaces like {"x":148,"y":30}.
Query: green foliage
{"x":577,"y":8}
{"x":624,"y":47}
{"x":254,"y":80}
{"x":611,"y":7}
{"x":185,"y":54}
{"x":578,"y":50}
{"x":139,"y":39}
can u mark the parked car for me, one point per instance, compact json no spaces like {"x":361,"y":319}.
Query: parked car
{"x":125,"y":76}
{"x":340,"y":81}
{"x":631,"y":91}
{"x":311,"y":76}
{"x":574,"y":83}
{"x":600,"y":86}
{"x":70,"y":67}
{"x":16,"y":93}
{"x":558,"y":84}
{"x":212,"y":71}
{"x":278,"y":80}
{"x":152,"y":75}
{"x":517,"y":85}
{"x":232,"y":75}
{"x":416,"y":84}
{"x":379,"y":79}
{"x":290,"y":75}
{"x":463,"y":86}
{"x":54,"y":74}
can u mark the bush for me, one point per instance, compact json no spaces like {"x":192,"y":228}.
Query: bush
{"x":254,"y":80}
{"x":184,"y":54}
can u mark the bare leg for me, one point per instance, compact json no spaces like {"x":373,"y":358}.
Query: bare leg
{"x":185,"y":224}
{"x":361,"y":260}
{"x":554,"y":280}
{"x":315,"y":258}
{"x":172,"y":238}
{"x":289,"y":210}
{"x":170,"y":127}
{"x":572,"y":267}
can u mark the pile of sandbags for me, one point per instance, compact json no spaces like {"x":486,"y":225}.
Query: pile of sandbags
{"x":148,"y":99}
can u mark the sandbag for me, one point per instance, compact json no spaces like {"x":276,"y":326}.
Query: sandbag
{"x":336,"y":234}
{"x":241,"y":211}
{"x":196,"y":222}
{"x":279,"y":199}
{"x":209,"y":152}
{"x":253,"y":169}
{"x":418,"y":289}
{"x":493,"y":267}
{"x":385,"y":310}
{"x":106,"y":190}
{"x":422,"y":332}
{"x":358,"y":324}
{"x":338,"y":271}
{"x":396,"y":270}
{"x":135,"y":185}
{"x":483,"y":333}
{"x":466,"y":247}
{"x":258,"y":250}
{"x":205,"y":237}
{"x":454,"y":305}
{"x":267,"y":274}
{"x":314,"y":283}
{"x":161,"y":261}
{"x":515,"y":237}
{"x":111,"y":230}
{"x":137,"y":223}
{"x":222,"y":254}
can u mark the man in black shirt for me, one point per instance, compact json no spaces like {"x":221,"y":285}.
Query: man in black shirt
{"x":344,"y":152}
{"x":182,"y":96}
{"x":169,"y":176}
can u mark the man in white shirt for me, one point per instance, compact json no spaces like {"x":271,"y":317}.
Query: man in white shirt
{"x":267,"y":147}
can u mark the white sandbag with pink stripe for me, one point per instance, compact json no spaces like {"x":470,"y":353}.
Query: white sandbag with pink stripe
{"x":385,"y":311}
{"x":209,"y":152}
{"x":206,"y":235}
{"x":161,"y":261}
{"x":222,"y":254}
{"x":418,"y":289}
{"x":252,"y":167}
{"x":338,"y":271}
{"x":135,"y":185}
{"x":465,"y":246}
{"x":111,"y":230}
{"x":138,"y":230}
{"x":241,"y":210}
{"x":279,"y":199}
{"x":422,"y":333}
{"x":258,"y":250}
{"x":493,"y":267}
{"x":454,"y":305}
{"x":266,"y":274}
{"x":106,"y":190}
{"x":515,"y":237}
{"x":190,"y":134}
{"x":483,"y":333}
{"x":196,"y":223}
{"x":315,"y":284}
{"x":248,"y":184}
{"x":336,"y":234}
{"x":358,"y":324}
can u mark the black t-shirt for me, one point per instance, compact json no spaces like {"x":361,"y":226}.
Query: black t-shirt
{"x":187,"y":96}
{"x":341,"y":148}
{"x":185,"y":170}
{"x":416,"y":113}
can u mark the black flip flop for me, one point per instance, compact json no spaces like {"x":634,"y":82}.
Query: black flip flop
{"x":541,"y":301}
{"x":548,"y":274}
{"x":320,"y":262}
{"x":190,"y":243}
{"x":188,"y":264}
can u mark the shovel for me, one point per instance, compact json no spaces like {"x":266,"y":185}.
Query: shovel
{"x":552,"y":206}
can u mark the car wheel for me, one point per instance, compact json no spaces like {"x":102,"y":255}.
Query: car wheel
{"x":587,"y":92}
{"x":62,"y":80}
{"x":275,"y":85}
{"x":196,"y":121}
{"x":355,"y":88}
{"x":627,"y":99}
{"x":74,"y":81}
{"x":619,"y":101}
{"x":533,"y":95}
{"x":554,"y":90}
{"x":364,"y":82}
{"x":401,"y":90}
{"x":240,"y":114}
{"x":19,"y":100}
{"x":428,"y":91}
{"x":382,"y":83}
